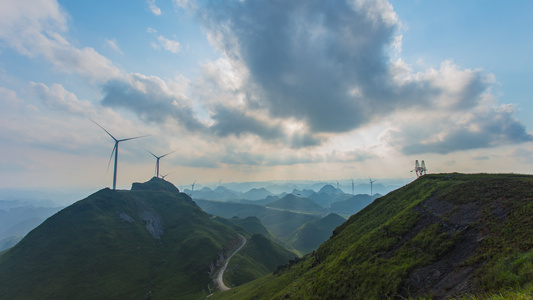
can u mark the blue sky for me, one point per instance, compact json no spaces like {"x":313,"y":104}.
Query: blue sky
{"x":262,"y":90}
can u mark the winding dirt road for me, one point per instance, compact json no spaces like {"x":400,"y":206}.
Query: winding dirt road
{"x":220,"y":274}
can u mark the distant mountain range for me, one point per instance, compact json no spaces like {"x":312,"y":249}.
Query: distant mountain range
{"x":260,"y":190}
{"x":17,"y":221}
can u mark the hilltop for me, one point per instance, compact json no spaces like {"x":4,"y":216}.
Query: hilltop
{"x":442,"y":236}
{"x":152,"y":241}
{"x":291,"y":202}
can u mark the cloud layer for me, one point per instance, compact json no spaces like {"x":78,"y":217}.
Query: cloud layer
{"x":291,"y":75}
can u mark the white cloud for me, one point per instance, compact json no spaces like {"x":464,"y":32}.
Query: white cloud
{"x":112,"y":43}
{"x":58,"y":98}
{"x":36,"y":28}
{"x":167,"y":44}
{"x":326,"y":66}
{"x":185,"y":4}
{"x":9,"y":98}
{"x":153,"y":8}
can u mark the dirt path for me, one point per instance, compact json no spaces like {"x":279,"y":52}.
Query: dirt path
{"x":220,"y":274}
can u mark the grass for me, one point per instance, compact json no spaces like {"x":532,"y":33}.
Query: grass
{"x":87,"y":251}
{"x":372,"y":254}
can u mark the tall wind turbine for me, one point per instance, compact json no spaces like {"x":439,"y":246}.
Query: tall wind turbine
{"x":157,"y":160}
{"x":353,"y":188}
{"x":115,"y":150}
{"x":192,"y":191}
{"x":371,"y":182}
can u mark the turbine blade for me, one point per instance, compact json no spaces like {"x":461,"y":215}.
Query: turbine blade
{"x":150,"y":153}
{"x":104,"y":130}
{"x":111,"y":157}
{"x":167,"y":154}
{"x":137,"y":137}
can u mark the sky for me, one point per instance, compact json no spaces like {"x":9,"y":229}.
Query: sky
{"x":262,"y":90}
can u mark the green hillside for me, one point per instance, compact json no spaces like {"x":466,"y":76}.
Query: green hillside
{"x":279,"y":222}
{"x":259,"y":257}
{"x":313,"y":233}
{"x":151,"y":242}
{"x":442,"y":236}
{"x":252,"y":225}
{"x":353,"y":204}
{"x":294,"y":203}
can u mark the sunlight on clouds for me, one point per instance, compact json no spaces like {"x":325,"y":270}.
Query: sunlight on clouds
{"x":57,"y":98}
{"x":318,"y":86}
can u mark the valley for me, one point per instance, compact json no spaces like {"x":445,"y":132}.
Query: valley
{"x":441,"y":236}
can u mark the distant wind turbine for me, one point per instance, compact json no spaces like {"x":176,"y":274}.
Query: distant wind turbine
{"x":115,"y":150}
{"x":353,"y":188}
{"x":371,"y":182}
{"x":163,"y":176}
{"x":157,"y":160}
{"x":192,"y":190}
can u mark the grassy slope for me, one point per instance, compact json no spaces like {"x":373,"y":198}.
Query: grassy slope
{"x":313,"y":233}
{"x":259,"y":257}
{"x":88,"y":251}
{"x":374,"y":252}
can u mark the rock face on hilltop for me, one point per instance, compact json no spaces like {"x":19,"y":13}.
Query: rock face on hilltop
{"x":155,"y":185}
{"x":442,"y":236}
{"x":150,"y":242}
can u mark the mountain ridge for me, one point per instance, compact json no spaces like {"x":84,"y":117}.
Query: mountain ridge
{"x":442,"y":236}
{"x":152,"y":241}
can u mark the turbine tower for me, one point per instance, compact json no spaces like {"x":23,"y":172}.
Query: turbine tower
{"x":157,"y":161}
{"x":371,"y":182}
{"x":115,"y":150}
{"x":192,"y":190}
{"x":353,"y":188}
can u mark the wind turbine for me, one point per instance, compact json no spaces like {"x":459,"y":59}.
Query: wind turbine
{"x":163,"y":176}
{"x":353,"y":188}
{"x":115,"y":150}
{"x":193,"y":187}
{"x":157,"y":161}
{"x":371,"y":182}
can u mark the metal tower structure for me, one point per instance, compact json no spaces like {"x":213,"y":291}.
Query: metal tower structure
{"x":420,"y":169}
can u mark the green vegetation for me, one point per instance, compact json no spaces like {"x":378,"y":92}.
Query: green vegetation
{"x":259,"y":257}
{"x":149,"y":242}
{"x":294,"y":203}
{"x":252,"y":225}
{"x":444,"y":235}
{"x":279,"y":222}
{"x":313,"y":233}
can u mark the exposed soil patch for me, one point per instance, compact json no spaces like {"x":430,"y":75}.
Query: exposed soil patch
{"x":447,"y":276}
